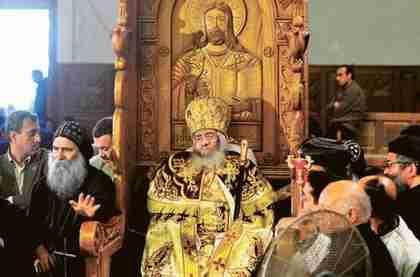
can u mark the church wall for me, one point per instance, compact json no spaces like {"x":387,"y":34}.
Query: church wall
{"x":371,"y":34}
{"x":381,"y":39}
{"x":82,"y":91}
{"x":84,"y":31}
{"x":83,"y":84}
{"x":374,"y":32}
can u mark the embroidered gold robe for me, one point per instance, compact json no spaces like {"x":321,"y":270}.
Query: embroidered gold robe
{"x":193,"y":232}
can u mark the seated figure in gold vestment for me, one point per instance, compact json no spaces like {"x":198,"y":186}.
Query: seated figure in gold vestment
{"x":211,"y":211}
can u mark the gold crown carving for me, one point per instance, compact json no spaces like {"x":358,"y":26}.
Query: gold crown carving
{"x":208,"y":113}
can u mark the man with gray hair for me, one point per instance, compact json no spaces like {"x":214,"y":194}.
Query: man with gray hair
{"x":24,"y":162}
{"x":350,"y":200}
{"x":72,"y":192}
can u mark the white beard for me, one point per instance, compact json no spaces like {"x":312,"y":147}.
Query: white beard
{"x":213,"y":160}
{"x":66,"y":177}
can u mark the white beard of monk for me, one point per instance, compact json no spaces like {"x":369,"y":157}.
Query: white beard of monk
{"x":66,"y":177}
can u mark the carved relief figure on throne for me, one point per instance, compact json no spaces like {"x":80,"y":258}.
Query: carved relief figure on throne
{"x":297,"y":39}
{"x":292,"y":87}
{"x":219,"y":66}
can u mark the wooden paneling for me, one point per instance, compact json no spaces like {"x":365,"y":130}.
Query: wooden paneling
{"x":389,"y":89}
{"x":83,"y":91}
{"x":378,"y":129}
{"x":393,"y":100}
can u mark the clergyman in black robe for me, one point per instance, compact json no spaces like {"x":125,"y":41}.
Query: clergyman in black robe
{"x":71,"y":193}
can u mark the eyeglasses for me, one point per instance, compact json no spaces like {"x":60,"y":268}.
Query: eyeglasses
{"x":389,"y":163}
{"x":208,"y":136}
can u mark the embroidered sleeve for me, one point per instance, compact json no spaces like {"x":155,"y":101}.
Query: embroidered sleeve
{"x":165,"y":194}
{"x":162,"y":186}
{"x":257,"y":196}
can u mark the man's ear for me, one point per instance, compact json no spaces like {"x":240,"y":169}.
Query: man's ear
{"x":412,"y":169}
{"x":415,"y":168}
{"x":12,"y":136}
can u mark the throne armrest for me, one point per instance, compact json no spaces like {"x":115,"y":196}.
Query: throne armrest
{"x":98,"y":242}
{"x":101,"y":238}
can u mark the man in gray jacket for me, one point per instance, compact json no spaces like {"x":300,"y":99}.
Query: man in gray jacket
{"x":24,"y":163}
{"x":348,"y":107}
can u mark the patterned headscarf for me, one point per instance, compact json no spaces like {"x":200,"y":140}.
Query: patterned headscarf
{"x":74,"y":132}
{"x":70,"y":130}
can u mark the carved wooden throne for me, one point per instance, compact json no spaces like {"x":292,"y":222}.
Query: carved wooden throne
{"x":263,"y":76}
{"x":160,"y":45}
{"x":99,"y":241}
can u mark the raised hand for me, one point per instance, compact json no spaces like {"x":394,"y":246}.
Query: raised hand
{"x":85,"y":205}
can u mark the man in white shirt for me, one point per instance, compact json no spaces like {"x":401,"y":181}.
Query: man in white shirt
{"x":24,"y":162}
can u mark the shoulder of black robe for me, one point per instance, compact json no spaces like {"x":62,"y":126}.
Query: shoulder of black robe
{"x":382,"y":264}
{"x":100,"y":186}
{"x":39,"y":210}
{"x":17,"y":225}
{"x":406,"y":203}
{"x":19,"y":241}
{"x":56,"y":216}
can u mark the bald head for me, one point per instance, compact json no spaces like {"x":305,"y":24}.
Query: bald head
{"x":347,"y":198}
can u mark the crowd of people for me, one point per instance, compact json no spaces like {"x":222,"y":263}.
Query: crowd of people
{"x":45,"y":196}
{"x":381,"y":206}
{"x":211,"y":210}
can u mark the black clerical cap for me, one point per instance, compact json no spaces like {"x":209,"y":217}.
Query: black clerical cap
{"x":412,"y":130}
{"x":408,"y":146}
{"x":335,"y":156}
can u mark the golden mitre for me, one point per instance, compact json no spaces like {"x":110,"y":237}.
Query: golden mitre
{"x":208,"y":113}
